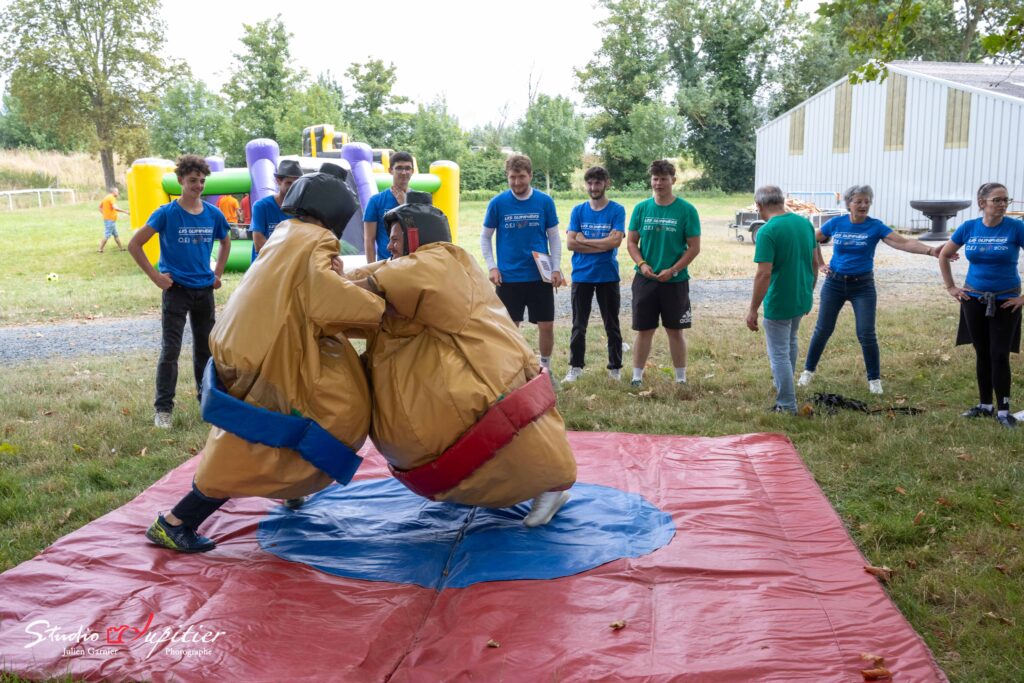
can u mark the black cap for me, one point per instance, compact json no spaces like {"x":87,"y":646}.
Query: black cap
{"x":288,"y":168}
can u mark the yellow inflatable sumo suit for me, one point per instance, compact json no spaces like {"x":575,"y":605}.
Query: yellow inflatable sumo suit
{"x":278,"y":345}
{"x":447,"y":356}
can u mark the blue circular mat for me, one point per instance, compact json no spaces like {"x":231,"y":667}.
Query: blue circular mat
{"x":376,"y":529}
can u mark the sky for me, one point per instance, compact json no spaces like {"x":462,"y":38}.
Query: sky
{"x":481,"y":56}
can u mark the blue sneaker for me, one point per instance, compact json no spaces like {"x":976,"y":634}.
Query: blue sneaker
{"x":180,"y":538}
{"x":1008,"y":421}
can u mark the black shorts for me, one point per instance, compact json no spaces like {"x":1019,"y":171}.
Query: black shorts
{"x":537,"y":296}
{"x":670,"y":300}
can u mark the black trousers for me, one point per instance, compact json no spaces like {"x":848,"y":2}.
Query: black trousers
{"x":992,"y":339}
{"x":198,"y":306}
{"x":608,"y":300}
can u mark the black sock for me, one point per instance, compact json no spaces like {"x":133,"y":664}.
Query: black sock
{"x":195,"y":508}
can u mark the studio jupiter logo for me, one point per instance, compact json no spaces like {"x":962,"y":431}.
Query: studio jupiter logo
{"x":191,"y":640}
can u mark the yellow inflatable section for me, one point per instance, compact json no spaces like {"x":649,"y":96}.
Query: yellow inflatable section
{"x":145,"y":195}
{"x":446,"y":197}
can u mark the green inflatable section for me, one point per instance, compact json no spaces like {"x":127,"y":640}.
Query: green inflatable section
{"x":229,"y":181}
{"x":421,"y":182}
{"x":239,"y":258}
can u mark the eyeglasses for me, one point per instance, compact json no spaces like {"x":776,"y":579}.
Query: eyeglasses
{"x":402,"y":169}
{"x":999,"y":200}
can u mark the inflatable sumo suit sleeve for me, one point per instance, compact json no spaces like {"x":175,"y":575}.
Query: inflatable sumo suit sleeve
{"x":437,"y":370}
{"x":278,"y":345}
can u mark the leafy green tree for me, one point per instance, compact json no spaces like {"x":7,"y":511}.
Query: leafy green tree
{"x":17,"y":130}
{"x":721,"y":60}
{"x":87,"y":65}
{"x":262,"y":84}
{"x":627,"y":70}
{"x":321,"y":102}
{"x":483,"y":170}
{"x":437,"y":135}
{"x":189,"y":120}
{"x":653,"y":131}
{"x":374,"y":112}
{"x":552,"y":135}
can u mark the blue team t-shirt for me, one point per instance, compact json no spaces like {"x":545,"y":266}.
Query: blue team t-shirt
{"x":380,"y":204}
{"x":266,"y":214}
{"x":992,"y":254}
{"x":597,"y":267}
{"x":186,"y":242}
{"x":853,"y":250}
{"x":521,"y":226}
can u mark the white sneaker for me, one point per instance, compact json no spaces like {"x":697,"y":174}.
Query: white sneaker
{"x":805,"y":378}
{"x":544,"y":507}
{"x":615,"y":374}
{"x":572,"y":375}
{"x":162,"y":420}
{"x":875,"y":386}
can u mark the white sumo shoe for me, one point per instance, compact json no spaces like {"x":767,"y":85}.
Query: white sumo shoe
{"x":572,"y":375}
{"x":805,"y":378}
{"x":544,"y":507}
{"x":875,"y":386}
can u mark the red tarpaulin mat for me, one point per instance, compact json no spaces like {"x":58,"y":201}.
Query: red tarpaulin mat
{"x":760,"y":583}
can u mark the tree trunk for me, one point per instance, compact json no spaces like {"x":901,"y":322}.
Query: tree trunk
{"x":107,"y":159}
{"x":973,"y":14}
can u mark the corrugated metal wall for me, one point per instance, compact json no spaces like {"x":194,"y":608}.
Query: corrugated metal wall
{"x":925,"y":169}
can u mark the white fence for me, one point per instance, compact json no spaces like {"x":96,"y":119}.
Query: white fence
{"x":38,"y":193}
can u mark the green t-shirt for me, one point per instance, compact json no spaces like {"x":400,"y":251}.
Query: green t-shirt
{"x":663,"y":233}
{"x":787,"y":242}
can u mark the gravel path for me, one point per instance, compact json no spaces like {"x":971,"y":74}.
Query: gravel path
{"x":896,"y":271}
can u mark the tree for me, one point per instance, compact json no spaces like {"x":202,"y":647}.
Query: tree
{"x":653,"y":131}
{"x":87,"y":64}
{"x":436,"y":134}
{"x":721,"y":58}
{"x":552,"y":135}
{"x":373,"y":113}
{"x":628,"y":70}
{"x":321,"y":102}
{"x":17,"y":130}
{"x":189,"y":120}
{"x":261,"y":85}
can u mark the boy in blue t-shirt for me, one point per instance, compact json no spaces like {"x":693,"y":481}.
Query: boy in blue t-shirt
{"x":375,"y":231}
{"x":596,"y":229}
{"x":187,"y":227}
{"x":267,"y":213}
{"x":525,"y":221}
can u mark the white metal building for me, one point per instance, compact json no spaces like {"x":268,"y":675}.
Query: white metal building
{"x":931,"y":130}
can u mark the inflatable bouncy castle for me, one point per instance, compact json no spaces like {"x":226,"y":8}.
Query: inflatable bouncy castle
{"x":151,"y":183}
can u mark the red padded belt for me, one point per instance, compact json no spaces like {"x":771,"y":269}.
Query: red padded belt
{"x":498,"y":426}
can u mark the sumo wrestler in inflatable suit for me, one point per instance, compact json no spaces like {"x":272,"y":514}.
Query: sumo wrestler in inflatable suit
{"x":462,"y":411}
{"x":285,"y":390}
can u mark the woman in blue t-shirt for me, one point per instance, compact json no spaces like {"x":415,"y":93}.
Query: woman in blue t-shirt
{"x":849,"y":277}
{"x":990,"y":299}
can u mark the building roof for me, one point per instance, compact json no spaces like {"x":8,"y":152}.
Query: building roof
{"x":1003,"y":79}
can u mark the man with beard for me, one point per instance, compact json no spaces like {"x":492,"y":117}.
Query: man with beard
{"x":596,"y":229}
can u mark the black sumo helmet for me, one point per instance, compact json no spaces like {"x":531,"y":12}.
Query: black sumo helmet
{"x":324,"y":196}
{"x":421,"y":221}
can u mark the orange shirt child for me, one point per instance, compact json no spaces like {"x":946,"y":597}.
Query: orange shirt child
{"x":228,"y":206}
{"x":108,"y":207}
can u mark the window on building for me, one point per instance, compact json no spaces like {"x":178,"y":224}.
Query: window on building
{"x":958,"y":118}
{"x":796,"y":131}
{"x":843,"y":118}
{"x":895,"y":111}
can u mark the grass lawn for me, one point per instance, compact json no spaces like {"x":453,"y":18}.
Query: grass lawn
{"x":937,"y":498}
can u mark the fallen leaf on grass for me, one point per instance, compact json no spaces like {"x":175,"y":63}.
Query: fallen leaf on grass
{"x":1002,"y":568}
{"x":709,"y":375}
{"x":47,"y":413}
{"x":493,"y":643}
{"x":965,"y":457}
{"x":944,"y":502}
{"x":145,"y":449}
{"x":1002,"y":620}
{"x":912,"y":564}
{"x":900,"y":490}
{"x":806,"y":410}
{"x":876,"y":674}
{"x":617,"y":625}
{"x":591,"y":398}
{"x":126,"y":411}
{"x":1013,"y":525}
{"x":66,"y":517}
{"x":918,"y":517}
{"x":646,"y":394}
{"x":999,"y":520}
{"x":76,"y":448}
{"x":883,"y":574}
{"x":192,"y":450}
{"x":877,"y":660}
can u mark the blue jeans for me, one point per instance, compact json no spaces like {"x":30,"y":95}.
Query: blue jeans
{"x":780,"y":336}
{"x":836,"y":290}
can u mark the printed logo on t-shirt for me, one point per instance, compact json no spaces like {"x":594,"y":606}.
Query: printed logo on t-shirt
{"x":850,"y":239}
{"x":515,"y":221}
{"x":195,"y":234}
{"x":988,"y":244}
{"x":595,"y":230}
{"x":658,"y":224}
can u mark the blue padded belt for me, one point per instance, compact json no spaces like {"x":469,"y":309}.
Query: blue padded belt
{"x":259,"y":425}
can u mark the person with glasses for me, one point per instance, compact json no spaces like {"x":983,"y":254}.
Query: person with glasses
{"x":849,"y":276}
{"x":990,"y":300}
{"x":375,"y":233}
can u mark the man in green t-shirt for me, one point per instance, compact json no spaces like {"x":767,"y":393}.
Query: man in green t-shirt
{"x":787,"y":268}
{"x":664,"y":238}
